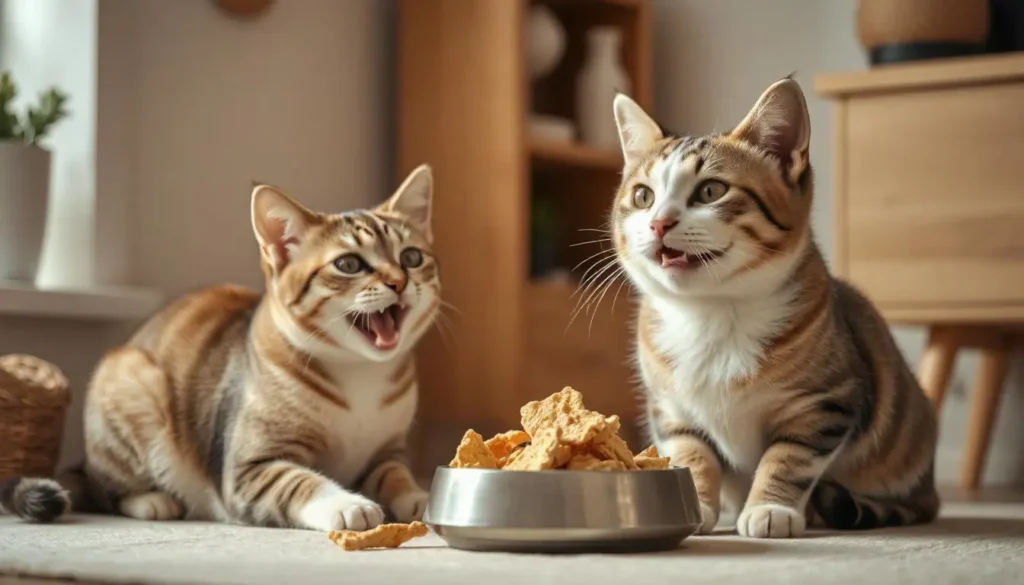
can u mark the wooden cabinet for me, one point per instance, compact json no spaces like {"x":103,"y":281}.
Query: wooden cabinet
{"x":929,"y":211}
{"x":929,"y":187}
{"x":463,"y":99}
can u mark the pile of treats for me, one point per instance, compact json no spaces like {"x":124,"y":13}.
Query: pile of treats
{"x":558,"y":433}
{"x":383,"y":536}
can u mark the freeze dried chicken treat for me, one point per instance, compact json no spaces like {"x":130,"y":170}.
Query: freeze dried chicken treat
{"x":561,"y":433}
{"x":513,"y":456}
{"x":546,"y":451}
{"x":383,"y":536}
{"x":649,"y":463}
{"x":472,"y":452}
{"x":503,"y":444}
{"x":650,"y":459}
{"x":650,"y":451}
{"x":608,"y":445}
{"x":587,"y":462}
{"x":565,"y":411}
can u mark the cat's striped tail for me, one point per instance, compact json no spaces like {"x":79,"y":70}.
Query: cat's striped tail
{"x":843,"y":510}
{"x":43,"y":499}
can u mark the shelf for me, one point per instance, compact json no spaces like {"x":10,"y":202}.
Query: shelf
{"x":551,"y":154}
{"x":919,"y":75}
{"x":94,"y":304}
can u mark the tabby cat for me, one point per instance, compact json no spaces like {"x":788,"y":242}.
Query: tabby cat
{"x":778,"y":385}
{"x":286,"y":409}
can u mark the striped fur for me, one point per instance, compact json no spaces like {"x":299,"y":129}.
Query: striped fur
{"x":289,"y":408}
{"x":779,"y":385}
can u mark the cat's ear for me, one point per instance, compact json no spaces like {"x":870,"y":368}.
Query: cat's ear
{"x":414,"y":199}
{"x":780,"y":124}
{"x":280,"y":223}
{"x":638,"y":132}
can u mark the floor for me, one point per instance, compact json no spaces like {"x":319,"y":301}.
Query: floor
{"x":979,"y":541}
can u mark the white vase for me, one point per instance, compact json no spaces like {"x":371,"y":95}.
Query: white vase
{"x":601,"y":77}
{"x":24,"y":198}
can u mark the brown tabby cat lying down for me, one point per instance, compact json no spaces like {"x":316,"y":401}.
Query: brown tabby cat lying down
{"x":774,"y":382}
{"x":270,"y":410}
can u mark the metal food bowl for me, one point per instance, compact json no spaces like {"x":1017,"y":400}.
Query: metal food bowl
{"x":563,"y":511}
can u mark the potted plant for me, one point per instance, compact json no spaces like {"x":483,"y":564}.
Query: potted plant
{"x":24,"y":178}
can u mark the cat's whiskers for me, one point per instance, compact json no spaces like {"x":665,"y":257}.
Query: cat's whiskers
{"x":597,"y":265}
{"x":590,"y":291}
{"x":448,"y":305}
{"x":597,"y":241}
{"x":604,"y":252}
{"x":588,"y":282}
{"x":610,"y":280}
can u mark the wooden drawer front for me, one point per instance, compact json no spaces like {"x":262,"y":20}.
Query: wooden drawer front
{"x":934,"y":198}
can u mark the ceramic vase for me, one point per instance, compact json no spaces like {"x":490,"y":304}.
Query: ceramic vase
{"x":601,"y":77}
{"x":24,"y":199}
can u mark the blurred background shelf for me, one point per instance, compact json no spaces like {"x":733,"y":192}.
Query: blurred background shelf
{"x":515,"y":213}
{"x":99,"y":304}
{"x":552,"y":154}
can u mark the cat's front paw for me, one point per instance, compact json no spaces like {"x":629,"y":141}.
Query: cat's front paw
{"x":340,"y":510}
{"x":409,"y":506}
{"x":771,"y":521}
{"x":710,"y":519}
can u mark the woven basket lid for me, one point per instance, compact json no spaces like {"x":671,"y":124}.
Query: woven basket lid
{"x":29,"y":381}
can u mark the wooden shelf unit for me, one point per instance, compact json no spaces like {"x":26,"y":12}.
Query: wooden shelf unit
{"x":544,"y":153}
{"x":464,"y":98}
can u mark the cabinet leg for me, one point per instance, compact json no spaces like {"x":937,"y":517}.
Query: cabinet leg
{"x":988,"y":386}
{"x":937,"y":363}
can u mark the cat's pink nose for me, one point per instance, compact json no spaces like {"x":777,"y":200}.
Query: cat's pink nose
{"x":660,"y":226}
{"x":395,"y":283}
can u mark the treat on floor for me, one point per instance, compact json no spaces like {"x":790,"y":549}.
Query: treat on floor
{"x":383,"y":536}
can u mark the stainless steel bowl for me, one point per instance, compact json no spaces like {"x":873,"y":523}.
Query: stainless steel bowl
{"x":563,"y":511}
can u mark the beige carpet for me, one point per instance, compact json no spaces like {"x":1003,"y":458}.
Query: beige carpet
{"x":972,"y":543}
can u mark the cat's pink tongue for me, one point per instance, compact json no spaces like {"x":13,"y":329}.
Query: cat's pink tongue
{"x":383,"y":326}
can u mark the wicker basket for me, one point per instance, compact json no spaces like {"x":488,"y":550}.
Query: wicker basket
{"x":33,"y":401}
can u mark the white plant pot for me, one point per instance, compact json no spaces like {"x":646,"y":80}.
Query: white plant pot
{"x":24,"y":199}
{"x":601,"y":77}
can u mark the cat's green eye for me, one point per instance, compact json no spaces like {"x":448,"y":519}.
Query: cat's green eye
{"x":711,"y":191}
{"x":643,"y":197}
{"x":411,"y":258}
{"x":349,"y":264}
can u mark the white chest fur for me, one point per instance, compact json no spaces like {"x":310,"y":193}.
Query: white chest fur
{"x":359,"y":433}
{"x":713,"y":345}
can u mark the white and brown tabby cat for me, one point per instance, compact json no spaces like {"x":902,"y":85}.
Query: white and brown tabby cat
{"x":287,"y":409}
{"x":779,"y":386}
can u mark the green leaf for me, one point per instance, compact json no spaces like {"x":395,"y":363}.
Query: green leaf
{"x":37,"y":121}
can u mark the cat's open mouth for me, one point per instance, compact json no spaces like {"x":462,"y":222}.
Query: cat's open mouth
{"x":381,"y":328}
{"x":672,"y":258}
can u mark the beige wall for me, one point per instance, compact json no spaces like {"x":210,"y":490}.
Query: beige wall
{"x":298,"y":98}
{"x":713,"y":59}
{"x":192,"y":106}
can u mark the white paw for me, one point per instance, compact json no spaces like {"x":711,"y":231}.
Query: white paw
{"x":710,"y":519}
{"x":409,"y":506}
{"x":771,"y":521}
{"x":151,"y":506}
{"x":333,"y":508}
